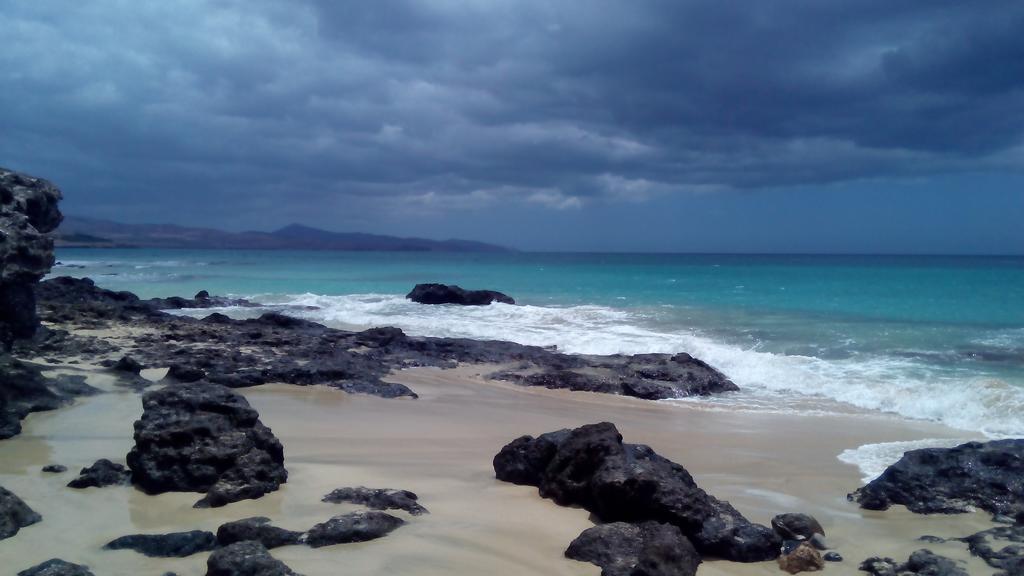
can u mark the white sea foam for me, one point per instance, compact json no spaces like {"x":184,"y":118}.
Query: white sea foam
{"x":902,"y":386}
{"x":873,"y":459}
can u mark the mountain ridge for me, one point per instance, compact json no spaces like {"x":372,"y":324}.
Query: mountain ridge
{"x":83,"y":232}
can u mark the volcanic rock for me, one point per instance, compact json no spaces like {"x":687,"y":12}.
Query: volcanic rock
{"x":28,"y":211}
{"x":591,"y":467}
{"x":56,"y":567}
{"x":986,"y":475}
{"x":352,"y":527}
{"x":256,"y":528}
{"x":445,"y":294}
{"x":922,"y":562}
{"x":624,"y":549}
{"x":14,"y":514}
{"x":202,"y":437}
{"x":102,"y":473}
{"x":248,"y":558}
{"x":173,"y":545}
{"x":378,"y":499}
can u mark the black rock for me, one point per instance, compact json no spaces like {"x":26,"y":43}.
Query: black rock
{"x":129,"y":365}
{"x":591,"y":467}
{"x":184,"y":373}
{"x":445,"y":294}
{"x":623,"y":549}
{"x":55,"y":468}
{"x":833,"y":557}
{"x":256,"y":528}
{"x":922,"y":562}
{"x":248,"y":558}
{"x":173,"y":545}
{"x":56,"y":567}
{"x":23,"y":390}
{"x":987,"y":475}
{"x":28,"y":211}
{"x":352,"y":527}
{"x":932,"y":539}
{"x":202,"y":437}
{"x":14,"y":514}
{"x":376,"y":388}
{"x":102,"y":473}
{"x":378,"y":499}
{"x":796,"y":526}
{"x":1001,"y":547}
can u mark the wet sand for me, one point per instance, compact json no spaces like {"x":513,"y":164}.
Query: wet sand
{"x":440,"y":446}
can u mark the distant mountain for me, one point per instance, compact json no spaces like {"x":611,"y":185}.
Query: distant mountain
{"x":93,"y":233}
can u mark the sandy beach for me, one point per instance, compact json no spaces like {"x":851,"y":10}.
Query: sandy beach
{"x":440,"y":446}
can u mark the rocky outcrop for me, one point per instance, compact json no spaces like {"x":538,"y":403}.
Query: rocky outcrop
{"x":259,"y":529}
{"x":102,"y":473}
{"x":624,"y":549}
{"x":245,"y":559}
{"x":14,"y":514}
{"x":1001,"y":547}
{"x":591,"y":467}
{"x":987,"y":475}
{"x":922,"y":562}
{"x":445,"y":294}
{"x":56,"y":567}
{"x":646,"y":376}
{"x":23,"y":390}
{"x":352,"y":527}
{"x":28,"y":212}
{"x":202,"y":437}
{"x":284,"y":349}
{"x":378,"y":499}
{"x":173,"y":545}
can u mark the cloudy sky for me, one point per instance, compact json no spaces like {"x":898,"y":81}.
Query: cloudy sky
{"x":751,"y":126}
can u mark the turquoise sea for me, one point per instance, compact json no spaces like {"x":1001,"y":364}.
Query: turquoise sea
{"x":936,"y":338}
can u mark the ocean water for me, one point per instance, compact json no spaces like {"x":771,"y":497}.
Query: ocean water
{"x":933,"y":338}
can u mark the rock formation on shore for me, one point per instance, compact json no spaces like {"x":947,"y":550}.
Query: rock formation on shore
{"x":28,"y":212}
{"x":24,"y":389}
{"x":14,"y":514}
{"x":986,"y":475}
{"x":203,"y":437}
{"x":591,"y":467}
{"x":445,"y":294}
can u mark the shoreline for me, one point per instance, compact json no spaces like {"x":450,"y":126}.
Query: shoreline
{"x":440,"y":446}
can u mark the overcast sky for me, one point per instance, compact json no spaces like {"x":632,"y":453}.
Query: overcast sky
{"x":750,"y":126}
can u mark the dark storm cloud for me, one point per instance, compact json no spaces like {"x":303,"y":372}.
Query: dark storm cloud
{"x":236,"y":106}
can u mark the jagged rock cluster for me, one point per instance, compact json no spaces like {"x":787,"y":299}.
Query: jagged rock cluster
{"x":28,"y":211}
{"x":986,"y":475}
{"x":202,"y":437}
{"x":591,"y":467}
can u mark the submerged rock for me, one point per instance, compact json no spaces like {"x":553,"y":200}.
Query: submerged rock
{"x":56,"y":567}
{"x":173,"y":545}
{"x":245,"y":559}
{"x":202,"y":437}
{"x":987,"y":475}
{"x":1001,"y":547}
{"x":445,"y":294}
{"x":14,"y":514}
{"x":803,"y":558}
{"x":591,"y":467}
{"x":23,"y":390}
{"x":624,"y":549}
{"x":28,"y":211}
{"x":257,"y":528}
{"x":352,"y":527}
{"x":378,"y":499}
{"x":54,"y":468}
{"x":922,"y":562}
{"x":102,"y":473}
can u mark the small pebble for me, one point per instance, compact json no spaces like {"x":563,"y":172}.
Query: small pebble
{"x":55,"y":468}
{"x":833,"y":557}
